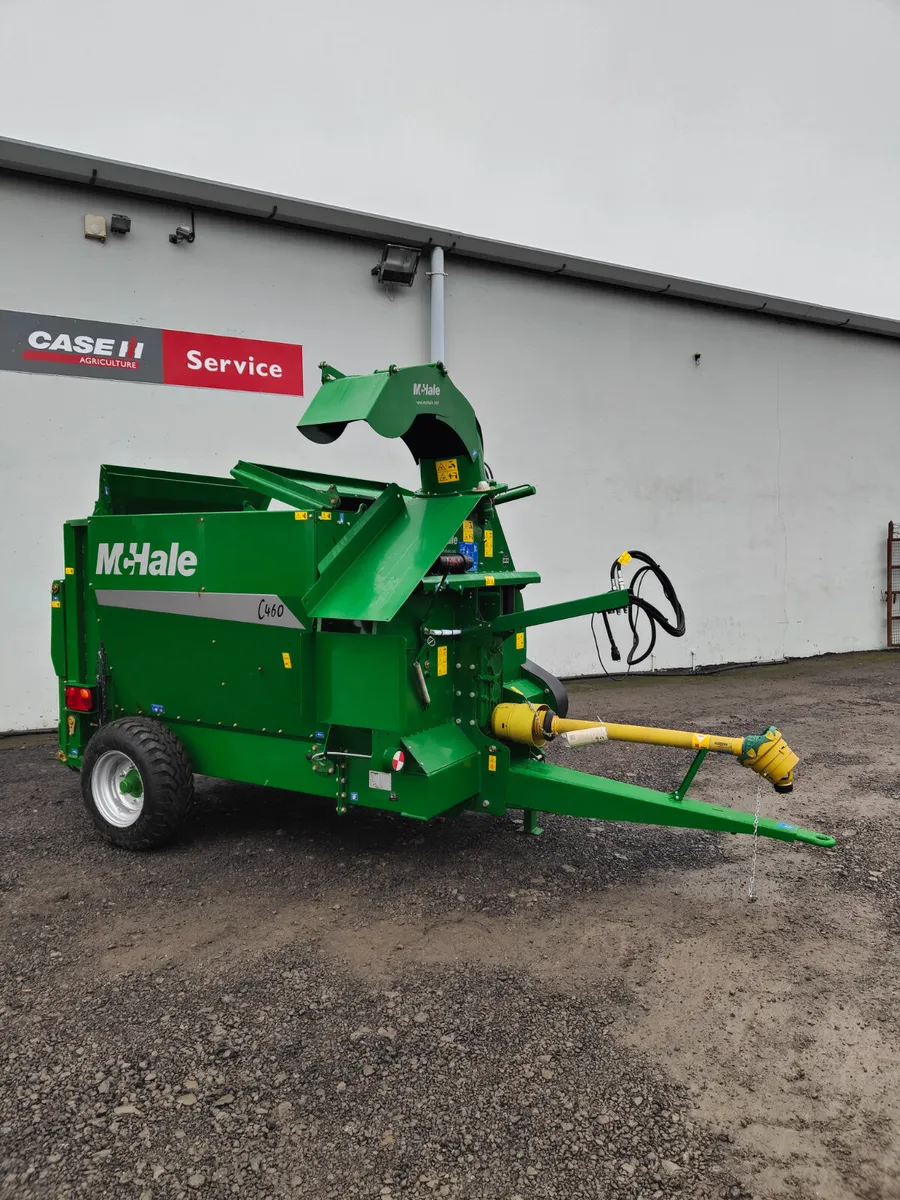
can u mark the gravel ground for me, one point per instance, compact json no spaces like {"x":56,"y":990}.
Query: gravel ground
{"x":292,"y":1004}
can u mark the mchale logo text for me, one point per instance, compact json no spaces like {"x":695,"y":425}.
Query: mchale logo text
{"x":112,"y":560}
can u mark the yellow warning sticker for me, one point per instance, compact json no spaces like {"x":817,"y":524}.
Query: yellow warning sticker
{"x":489,"y":543}
{"x":701,"y":741}
{"x":326,"y":515}
{"x":301,"y":516}
{"x":468,"y":531}
{"x":492,"y":762}
{"x":286,"y":659}
{"x":624,"y":559}
{"x":70,"y":725}
{"x":447,"y":470}
{"x":70,"y":570}
{"x":488,"y":581}
{"x":520,"y":641}
{"x":442,"y":660}
{"x":54,"y":604}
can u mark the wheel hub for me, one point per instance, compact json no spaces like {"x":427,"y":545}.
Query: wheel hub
{"x":117,"y":789}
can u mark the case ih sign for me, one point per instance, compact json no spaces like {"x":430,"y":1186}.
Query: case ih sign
{"x":95,"y":349}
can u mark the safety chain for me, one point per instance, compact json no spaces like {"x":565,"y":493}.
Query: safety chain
{"x":751,"y":890}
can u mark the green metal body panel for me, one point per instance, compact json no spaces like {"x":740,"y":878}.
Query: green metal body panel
{"x":376,"y":569}
{"x":342,"y":660}
{"x":265,"y":759}
{"x":140,"y":490}
{"x":209,"y":672}
{"x":304,"y":649}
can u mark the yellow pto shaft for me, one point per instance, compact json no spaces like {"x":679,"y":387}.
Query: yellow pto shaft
{"x":650,"y":736}
{"x":767,"y":753}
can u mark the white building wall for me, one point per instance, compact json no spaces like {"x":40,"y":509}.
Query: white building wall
{"x":762,"y":479}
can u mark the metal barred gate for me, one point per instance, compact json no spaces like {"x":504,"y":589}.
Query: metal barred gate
{"x":892,"y":587}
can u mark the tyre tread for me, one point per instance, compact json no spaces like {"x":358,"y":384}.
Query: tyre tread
{"x":166,"y":774}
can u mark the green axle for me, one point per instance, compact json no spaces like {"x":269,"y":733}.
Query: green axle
{"x":355,"y":648}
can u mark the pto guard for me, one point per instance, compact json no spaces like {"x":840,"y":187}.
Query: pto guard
{"x":770,"y":756}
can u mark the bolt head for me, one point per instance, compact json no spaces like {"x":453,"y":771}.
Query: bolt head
{"x":485,"y":804}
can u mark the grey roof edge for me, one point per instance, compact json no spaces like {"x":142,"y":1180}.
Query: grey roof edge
{"x":86,"y":169}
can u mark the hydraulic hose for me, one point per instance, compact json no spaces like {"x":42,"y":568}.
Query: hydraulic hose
{"x":637,"y":604}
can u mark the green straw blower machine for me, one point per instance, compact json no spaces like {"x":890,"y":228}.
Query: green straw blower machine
{"x":366,"y":644}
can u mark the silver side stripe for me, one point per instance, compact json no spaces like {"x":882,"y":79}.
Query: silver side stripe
{"x":252,"y":608}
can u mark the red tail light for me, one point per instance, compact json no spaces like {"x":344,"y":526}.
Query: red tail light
{"x":80,"y":699}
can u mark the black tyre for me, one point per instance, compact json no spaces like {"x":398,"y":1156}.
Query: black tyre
{"x":136,"y":782}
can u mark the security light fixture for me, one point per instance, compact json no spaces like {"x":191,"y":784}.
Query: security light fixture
{"x":95,"y":227}
{"x":120,"y":223}
{"x":183,"y":233}
{"x":398,"y":265}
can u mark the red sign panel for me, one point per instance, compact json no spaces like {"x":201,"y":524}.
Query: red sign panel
{"x":237,"y":364}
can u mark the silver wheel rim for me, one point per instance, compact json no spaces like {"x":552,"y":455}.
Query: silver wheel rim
{"x":112,"y":772}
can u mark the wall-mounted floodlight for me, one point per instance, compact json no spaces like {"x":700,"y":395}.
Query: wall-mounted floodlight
{"x":95,"y":227}
{"x":398,"y":265}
